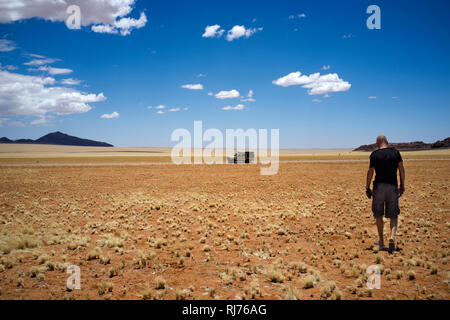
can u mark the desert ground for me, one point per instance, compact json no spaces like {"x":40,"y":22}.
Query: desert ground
{"x":52,"y":154}
{"x":215,"y":231}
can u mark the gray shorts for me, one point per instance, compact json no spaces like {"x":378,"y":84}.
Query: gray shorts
{"x":385,"y":200}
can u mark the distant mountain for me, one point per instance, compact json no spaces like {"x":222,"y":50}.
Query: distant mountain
{"x":23,"y":141}
{"x":5,"y":140}
{"x":441,"y":144}
{"x":409,"y":146}
{"x":59,"y":138}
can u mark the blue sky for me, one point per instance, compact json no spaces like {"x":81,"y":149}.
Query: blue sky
{"x":397,"y":76}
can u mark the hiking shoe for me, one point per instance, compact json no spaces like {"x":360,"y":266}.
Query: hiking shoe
{"x":391,"y":246}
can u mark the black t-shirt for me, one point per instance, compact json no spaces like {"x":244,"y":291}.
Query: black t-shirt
{"x":385,"y":161}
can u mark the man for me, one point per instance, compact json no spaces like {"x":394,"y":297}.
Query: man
{"x":385,"y":161}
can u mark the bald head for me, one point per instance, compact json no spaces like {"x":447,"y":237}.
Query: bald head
{"x":382,"y":141}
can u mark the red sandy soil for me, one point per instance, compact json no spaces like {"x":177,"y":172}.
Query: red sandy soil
{"x":218,"y":232}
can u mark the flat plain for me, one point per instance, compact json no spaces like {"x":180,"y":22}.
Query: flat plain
{"x":217,"y":231}
{"x":51,"y":154}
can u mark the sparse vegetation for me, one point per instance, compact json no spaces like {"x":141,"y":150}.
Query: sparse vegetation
{"x":160,"y":283}
{"x":309,"y":282}
{"x":146,"y":294}
{"x":104,"y":287}
{"x":275,"y":275}
{"x":278,"y":237}
{"x":292,"y":293}
{"x":411,"y":274}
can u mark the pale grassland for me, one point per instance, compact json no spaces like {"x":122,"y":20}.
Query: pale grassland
{"x":24,"y":153}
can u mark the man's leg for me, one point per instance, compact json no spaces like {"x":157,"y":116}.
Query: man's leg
{"x":380,"y":225}
{"x":393,"y":233}
{"x":392,"y":211}
{"x":378,"y":211}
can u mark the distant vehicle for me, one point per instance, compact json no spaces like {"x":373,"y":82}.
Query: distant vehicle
{"x":242,"y":157}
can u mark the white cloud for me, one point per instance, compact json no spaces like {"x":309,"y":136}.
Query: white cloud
{"x":6,"y":45}
{"x":43,"y":62}
{"x":124,"y":25}
{"x":8,"y":67}
{"x":113,"y":115}
{"x":197,"y":86}
{"x":317,"y":100}
{"x":292,"y":79}
{"x":201,"y":75}
{"x":36,"y":96}
{"x":41,"y":120}
{"x":347,"y":36}
{"x":249,"y":97}
{"x":300,"y":15}
{"x":210,"y":94}
{"x":103,"y":28}
{"x":316,"y":83}
{"x":372,"y":97}
{"x":38,"y":56}
{"x":10,"y":123}
{"x":227,"y":94}
{"x":240,"y":31}
{"x":237,"y":107}
{"x":326,"y":67}
{"x":14,"y":123}
{"x":93,"y":12}
{"x":394,"y":97}
{"x":70,"y":81}
{"x":40,"y":61}
{"x":127,"y":24}
{"x":162,"y":109}
{"x":52,"y":71}
{"x":326,"y":84}
{"x":213,"y":31}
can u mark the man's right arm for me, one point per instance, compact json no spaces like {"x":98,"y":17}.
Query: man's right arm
{"x":369,"y":177}
{"x":368,"y":181}
{"x":401,"y":170}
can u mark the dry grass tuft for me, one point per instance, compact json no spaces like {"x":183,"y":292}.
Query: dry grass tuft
{"x":104,"y":287}
{"x":292,"y":293}
{"x":309,"y":282}
{"x":160,"y":283}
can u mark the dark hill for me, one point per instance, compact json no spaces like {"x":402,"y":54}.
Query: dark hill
{"x":59,"y":138}
{"x":5,"y":140}
{"x":441,"y":144}
{"x":409,"y":146}
{"x":23,"y":141}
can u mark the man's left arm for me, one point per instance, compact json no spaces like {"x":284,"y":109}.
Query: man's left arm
{"x":401,"y":170}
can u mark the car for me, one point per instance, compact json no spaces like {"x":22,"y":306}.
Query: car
{"x":242,"y":157}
